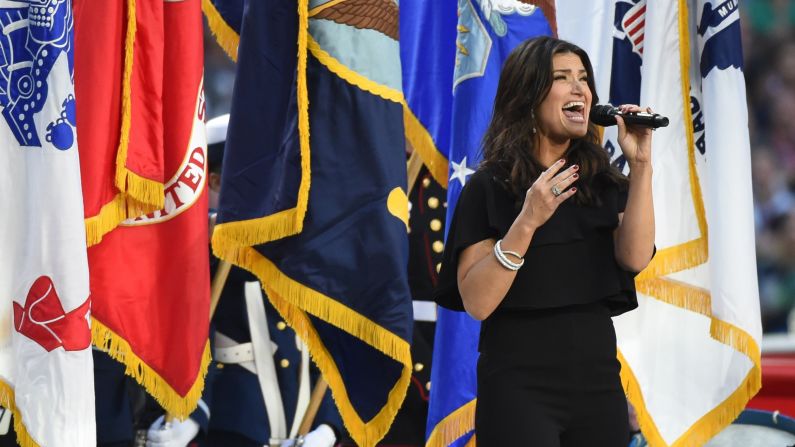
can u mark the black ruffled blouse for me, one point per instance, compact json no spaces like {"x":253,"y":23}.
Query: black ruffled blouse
{"x":571,"y":257}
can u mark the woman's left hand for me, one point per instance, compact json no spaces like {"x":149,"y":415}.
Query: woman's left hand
{"x":635,"y":141}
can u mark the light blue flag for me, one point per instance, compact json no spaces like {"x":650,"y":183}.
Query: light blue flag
{"x":450,"y":77}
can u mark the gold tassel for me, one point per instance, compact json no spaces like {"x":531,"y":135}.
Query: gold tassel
{"x":454,"y":426}
{"x":141,"y":193}
{"x":7,"y":401}
{"x":119,"y":349}
{"x":352,"y":77}
{"x":705,"y":428}
{"x":293,"y":301}
{"x":226,"y":37}
{"x":232,"y":241}
{"x":694,"y":299}
{"x":421,"y":141}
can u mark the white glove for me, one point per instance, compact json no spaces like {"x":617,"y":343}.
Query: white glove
{"x":171,"y":434}
{"x":323,"y":436}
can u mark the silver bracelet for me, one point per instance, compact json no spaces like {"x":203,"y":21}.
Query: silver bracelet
{"x":502,"y":259}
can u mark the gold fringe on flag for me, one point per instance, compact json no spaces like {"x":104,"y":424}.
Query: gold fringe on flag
{"x":226,"y":37}
{"x":232,"y":242}
{"x":423,"y":143}
{"x":120,"y":350}
{"x":677,"y":293}
{"x":706,"y":427}
{"x":294,"y":301}
{"x":455,"y":425}
{"x":137,"y":195}
{"x":415,"y":132}
{"x":148,"y":193}
{"x":694,"y":299}
{"x":7,"y":401}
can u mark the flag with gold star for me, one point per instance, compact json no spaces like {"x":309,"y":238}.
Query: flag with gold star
{"x":313,"y":197}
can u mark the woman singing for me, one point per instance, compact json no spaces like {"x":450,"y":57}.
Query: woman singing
{"x":543,"y":248}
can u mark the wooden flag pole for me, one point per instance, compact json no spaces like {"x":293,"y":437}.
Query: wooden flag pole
{"x":314,"y":405}
{"x":217,"y":285}
{"x":413,"y":167}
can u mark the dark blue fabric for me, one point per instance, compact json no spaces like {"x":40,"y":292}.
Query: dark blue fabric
{"x":351,"y":248}
{"x":113,"y":404}
{"x":231,"y":11}
{"x":261,"y":158}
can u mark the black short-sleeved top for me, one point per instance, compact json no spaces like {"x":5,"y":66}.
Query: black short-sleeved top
{"x":570,"y":259}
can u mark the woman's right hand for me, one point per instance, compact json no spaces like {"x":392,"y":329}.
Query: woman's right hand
{"x":540,"y":202}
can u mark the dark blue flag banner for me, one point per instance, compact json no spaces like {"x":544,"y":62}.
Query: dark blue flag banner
{"x":225,"y":17}
{"x":313,"y":195}
{"x":450,"y":79}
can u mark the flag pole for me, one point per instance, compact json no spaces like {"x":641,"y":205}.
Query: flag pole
{"x":314,"y":405}
{"x":217,"y":285}
{"x":413,"y":167}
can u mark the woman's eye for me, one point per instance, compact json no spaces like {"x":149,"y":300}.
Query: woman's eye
{"x":559,"y":77}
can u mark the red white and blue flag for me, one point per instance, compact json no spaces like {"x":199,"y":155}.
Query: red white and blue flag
{"x":690,"y":352}
{"x":46,"y":371}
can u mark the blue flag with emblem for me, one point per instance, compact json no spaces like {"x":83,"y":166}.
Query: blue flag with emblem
{"x":313,"y":195}
{"x":450,"y":85}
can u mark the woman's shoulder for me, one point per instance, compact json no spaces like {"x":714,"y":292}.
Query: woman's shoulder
{"x":487,"y":177}
{"x":484,"y":175}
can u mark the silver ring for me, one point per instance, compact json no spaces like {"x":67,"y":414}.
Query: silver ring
{"x":556,"y":191}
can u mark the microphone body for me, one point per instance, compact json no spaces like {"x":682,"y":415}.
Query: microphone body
{"x":605,"y":115}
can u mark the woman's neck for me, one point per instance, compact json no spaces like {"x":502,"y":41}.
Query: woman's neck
{"x":549,"y":151}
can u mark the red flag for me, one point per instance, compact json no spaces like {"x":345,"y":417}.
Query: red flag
{"x":142,"y":62}
{"x":119,"y":52}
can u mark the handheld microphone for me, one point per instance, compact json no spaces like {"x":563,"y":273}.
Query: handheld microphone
{"x":605,"y":115}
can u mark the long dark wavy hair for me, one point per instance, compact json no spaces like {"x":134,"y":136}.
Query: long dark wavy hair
{"x":509,"y":145}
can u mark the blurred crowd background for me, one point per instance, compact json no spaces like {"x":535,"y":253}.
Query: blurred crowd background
{"x":769,"y":53}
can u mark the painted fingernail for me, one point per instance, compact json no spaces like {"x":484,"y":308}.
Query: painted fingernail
{"x":573,"y":189}
{"x":576,"y":176}
{"x":562,"y":160}
{"x":576,"y":167}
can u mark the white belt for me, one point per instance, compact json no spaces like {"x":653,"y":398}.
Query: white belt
{"x":302,"y":402}
{"x":263,"y":359}
{"x":228,"y":351}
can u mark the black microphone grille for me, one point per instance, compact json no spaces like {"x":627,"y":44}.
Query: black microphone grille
{"x":603,"y":115}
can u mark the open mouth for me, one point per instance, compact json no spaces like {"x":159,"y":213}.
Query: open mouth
{"x":575,"y":111}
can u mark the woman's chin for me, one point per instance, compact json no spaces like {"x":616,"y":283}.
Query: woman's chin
{"x":578,"y":130}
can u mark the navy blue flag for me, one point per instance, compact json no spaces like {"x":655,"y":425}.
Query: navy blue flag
{"x":225,"y":18}
{"x":313,"y":195}
{"x":450,"y":84}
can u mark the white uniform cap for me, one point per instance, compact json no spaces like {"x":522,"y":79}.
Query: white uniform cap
{"x":216,"y":129}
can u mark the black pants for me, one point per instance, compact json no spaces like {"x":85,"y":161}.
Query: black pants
{"x":550,"y":379}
